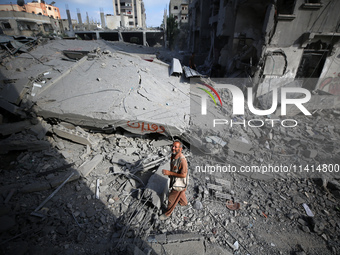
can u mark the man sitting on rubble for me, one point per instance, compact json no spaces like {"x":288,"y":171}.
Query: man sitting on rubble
{"x":179,"y":177}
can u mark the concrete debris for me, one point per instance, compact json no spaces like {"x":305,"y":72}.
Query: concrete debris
{"x":190,"y":73}
{"x":158,"y":186}
{"x":239,"y":146}
{"x":86,"y":168}
{"x":57,"y":96}
{"x":40,"y":129}
{"x":214,"y":187}
{"x":215,"y":140}
{"x":50,"y":183}
{"x":52,"y":194}
{"x":317,"y":102}
{"x":77,"y":135}
{"x":161,"y":143}
{"x":308,"y":211}
{"x":109,"y":153}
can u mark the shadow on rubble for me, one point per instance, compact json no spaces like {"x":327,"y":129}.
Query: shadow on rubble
{"x":51,"y":202}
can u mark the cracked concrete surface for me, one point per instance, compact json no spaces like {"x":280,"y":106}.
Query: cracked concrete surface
{"x":120,"y":90}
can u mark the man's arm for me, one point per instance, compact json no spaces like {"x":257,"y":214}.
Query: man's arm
{"x":184,"y":170}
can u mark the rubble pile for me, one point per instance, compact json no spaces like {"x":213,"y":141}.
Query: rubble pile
{"x":72,"y":189}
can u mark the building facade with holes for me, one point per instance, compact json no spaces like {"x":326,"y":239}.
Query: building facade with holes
{"x":127,"y":14}
{"x":35,"y":7}
{"x":14,"y":23}
{"x":179,"y":9}
{"x":264,"y":40}
{"x":29,"y":19}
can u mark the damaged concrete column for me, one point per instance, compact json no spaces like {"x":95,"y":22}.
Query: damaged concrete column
{"x":144,"y":39}
{"x":71,"y":32}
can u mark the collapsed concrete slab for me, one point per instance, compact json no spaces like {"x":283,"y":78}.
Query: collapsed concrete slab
{"x":117,"y":90}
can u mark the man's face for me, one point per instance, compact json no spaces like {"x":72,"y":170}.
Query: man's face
{"x":176,"y":148}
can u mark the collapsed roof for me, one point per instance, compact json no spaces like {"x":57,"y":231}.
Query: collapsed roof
{"x":105,"y":89}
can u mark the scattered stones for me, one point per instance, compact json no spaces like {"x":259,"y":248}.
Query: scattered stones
{"x":127,"y":163}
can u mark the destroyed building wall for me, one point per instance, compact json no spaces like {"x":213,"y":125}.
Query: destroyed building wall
{"x":329,"y":81}
{"x":303,"y":19}
{"x":112,"y":22}
{"x":179,"y":10}
{"x":235,"y":29}
{"x":248,"y":37}
{"x":306,"y":36}
{"x":65,"y":24}
{"x":35,"y":8}
{"x":27,"y":24}
{"x":199,"y":36}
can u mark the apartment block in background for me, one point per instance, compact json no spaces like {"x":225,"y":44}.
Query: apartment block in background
{"x":179,"y":9}
{"x":127,"y":14}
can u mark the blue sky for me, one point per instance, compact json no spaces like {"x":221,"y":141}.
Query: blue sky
{"x":154,"y":9}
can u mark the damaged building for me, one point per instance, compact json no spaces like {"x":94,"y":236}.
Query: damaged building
{"x":268,"y":39}
{"x":27,"y":24}
{"x":86,"y":128}
{"x":127,"y":14}
{"x":29,"y":19}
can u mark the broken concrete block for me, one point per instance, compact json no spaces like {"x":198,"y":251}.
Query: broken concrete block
{"x":222,"y":195}
{"x":239,"y":146}
{"x":158,"y":185}
{"x":310,"y":153}
{"x":215,"y":140}
{"x":130,"y":150}
{"x":74,"y":135}
{"x":122,"y":159}
{"x":160,"y":143}
{"x":88,"y":166}
{"x":40,"y":129}
{"x":66,"y":154}
{"x":226,"y":184}
{"x":123,"y":142}
{"x":214,"y":187}
{"x":60,"y":145}
{"x":256,"y":132}
{"x":12,"y":128}
{"x":197,"y":205}
{"x":87,"y":152}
